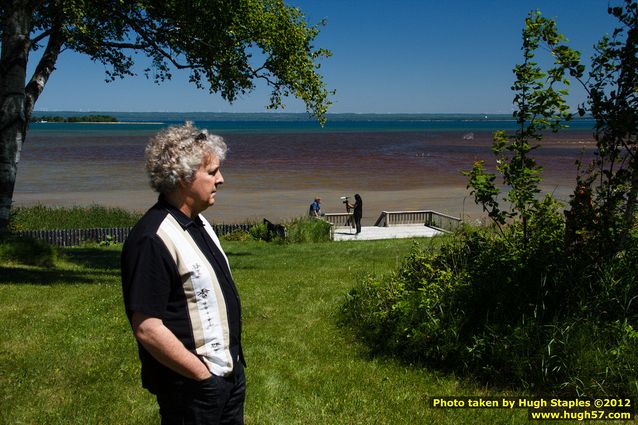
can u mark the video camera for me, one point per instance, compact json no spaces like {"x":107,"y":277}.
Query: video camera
{"x":346,"y":202}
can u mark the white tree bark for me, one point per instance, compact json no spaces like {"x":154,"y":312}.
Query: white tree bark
{"x":13,"y":121}
{"x":17,"y":98}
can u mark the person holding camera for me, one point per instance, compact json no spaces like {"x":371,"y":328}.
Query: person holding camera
{"x":357,"y":211}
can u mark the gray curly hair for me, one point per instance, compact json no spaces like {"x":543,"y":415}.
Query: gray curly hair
{"x":175,"y":154}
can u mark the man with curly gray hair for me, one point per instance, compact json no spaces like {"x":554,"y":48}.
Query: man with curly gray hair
{"x":179,"y":293}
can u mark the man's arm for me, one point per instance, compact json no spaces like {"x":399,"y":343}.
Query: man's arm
{"x":162,"y":344}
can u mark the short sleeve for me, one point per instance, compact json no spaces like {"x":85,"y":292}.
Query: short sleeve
{"x":146,"y":277}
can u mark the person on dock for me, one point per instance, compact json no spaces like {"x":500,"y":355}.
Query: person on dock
{"x":178,"y":290}
{"x":315,"y":208}
{"x":357,"y":211}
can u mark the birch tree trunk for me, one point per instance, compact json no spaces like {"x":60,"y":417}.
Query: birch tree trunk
{"x":17,"y":97}
{"x":13,"y":115}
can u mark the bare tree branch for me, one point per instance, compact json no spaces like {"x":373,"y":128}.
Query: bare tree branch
{"x":256,"y":74}
{"x":44,"y":69}
{"x":40,"y":37}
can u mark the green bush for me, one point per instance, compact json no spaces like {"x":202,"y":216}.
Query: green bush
{"x":260,"y":232}
{"x":412,"y":313}
{"x":509,"y":311}
{"x":29,"y":251}
{"x":300,"y":230}
{"x":41,"y":217}
{"x":306,"y":229}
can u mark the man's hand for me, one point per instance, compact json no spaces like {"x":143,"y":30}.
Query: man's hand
{"x":166,"y":348}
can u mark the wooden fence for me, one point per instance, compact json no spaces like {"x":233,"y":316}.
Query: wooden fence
{"x":73,"y":237}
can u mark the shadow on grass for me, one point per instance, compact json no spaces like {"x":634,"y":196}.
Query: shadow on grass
{"x":94,"y":258}
{"x":108,"y":259}
{"x":98,"y":262}
{"x":41,"y":276}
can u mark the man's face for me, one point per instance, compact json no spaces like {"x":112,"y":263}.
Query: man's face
{"x":202,"y":189}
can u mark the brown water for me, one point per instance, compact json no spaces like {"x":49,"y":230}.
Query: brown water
{"x":277,"y":175}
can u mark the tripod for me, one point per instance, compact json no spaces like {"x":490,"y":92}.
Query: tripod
{"x":350,"y":220}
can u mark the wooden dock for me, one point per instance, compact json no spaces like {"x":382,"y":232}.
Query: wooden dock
{"x":369,"y":233}
{"x":394,"y":225}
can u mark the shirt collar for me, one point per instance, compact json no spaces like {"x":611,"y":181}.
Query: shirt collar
{"x":184,"y":220}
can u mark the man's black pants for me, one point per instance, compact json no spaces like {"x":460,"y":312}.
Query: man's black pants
{"x":214,"y":401}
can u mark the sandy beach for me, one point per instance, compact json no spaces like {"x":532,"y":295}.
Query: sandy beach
{"x":236,"y":205}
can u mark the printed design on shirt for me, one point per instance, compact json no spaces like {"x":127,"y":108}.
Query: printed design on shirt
{"x":207,"y":309}
{"x":196,"y":268}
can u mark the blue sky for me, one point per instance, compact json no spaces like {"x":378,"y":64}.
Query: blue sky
{"x":428,"y":56}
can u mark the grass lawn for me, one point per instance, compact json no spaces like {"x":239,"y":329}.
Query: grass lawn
{"x":67,"y":355}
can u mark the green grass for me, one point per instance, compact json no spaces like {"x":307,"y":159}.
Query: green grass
{"x":41,"y":217}
{"x":67,"y":355}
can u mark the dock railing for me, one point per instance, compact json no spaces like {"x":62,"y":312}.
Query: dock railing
{"x":339,"y":219}
{"x":429,"y":218}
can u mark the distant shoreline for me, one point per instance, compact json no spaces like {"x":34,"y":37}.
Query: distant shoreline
{"x":118,"y":122}
{"x":99,"y":122}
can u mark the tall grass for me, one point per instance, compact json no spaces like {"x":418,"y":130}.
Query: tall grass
{"x":306,"y":229}
{"x":298,"y":230}
{"x":41,"y":217}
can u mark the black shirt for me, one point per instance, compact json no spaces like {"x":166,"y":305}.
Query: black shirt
{"x":166,"y":273}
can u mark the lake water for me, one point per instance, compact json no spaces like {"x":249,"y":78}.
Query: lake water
{"x":277,"y":164}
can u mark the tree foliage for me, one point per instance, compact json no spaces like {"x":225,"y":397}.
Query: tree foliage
{"x":226,"y":46}
{"x":539,"y":98}
{"x":603,"y":209}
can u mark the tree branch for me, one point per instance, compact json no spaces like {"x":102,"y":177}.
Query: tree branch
{"x":256,"y":74}
{"x":40,"y":37}
{"x":44,"y":69}
{"x":134,"y":46}
{"x":150,"y":43}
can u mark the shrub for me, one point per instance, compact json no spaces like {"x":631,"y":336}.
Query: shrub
{"x":300,"y":230}
{"x":412,"y":313}
{"x":29,"y":251}
{"x":260,"y":232}
{"x":306,"y":229}
{"x":501,"y":313}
